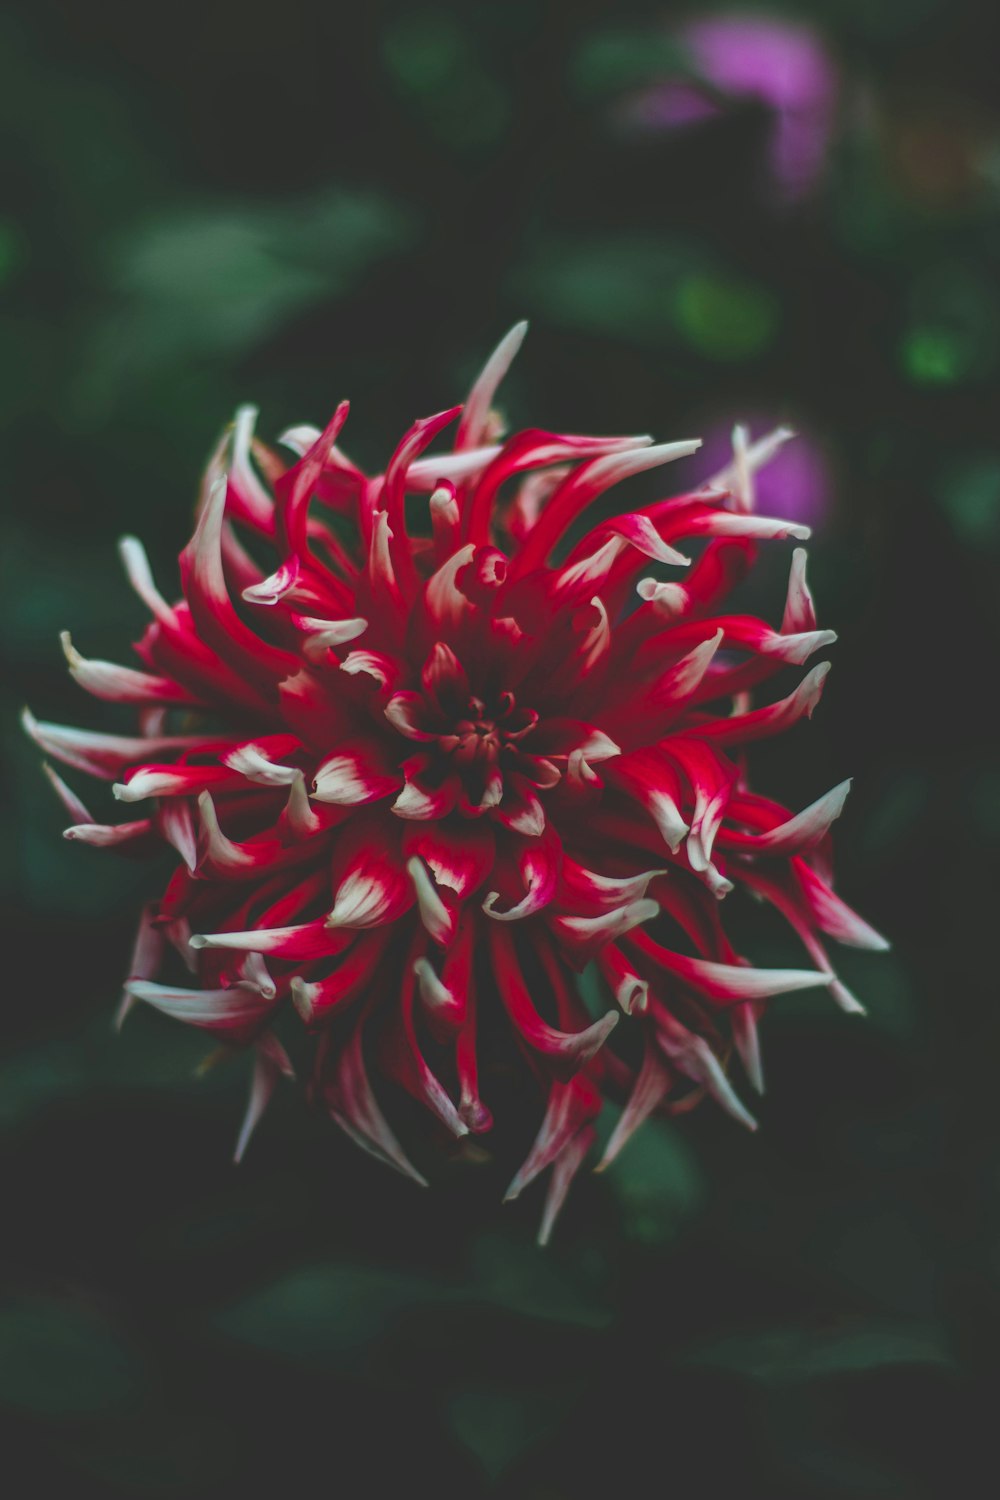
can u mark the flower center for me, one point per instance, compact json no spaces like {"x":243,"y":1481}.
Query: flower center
{"x":480,"y":731}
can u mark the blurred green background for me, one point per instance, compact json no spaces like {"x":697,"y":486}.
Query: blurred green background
{"x":210,"y":203}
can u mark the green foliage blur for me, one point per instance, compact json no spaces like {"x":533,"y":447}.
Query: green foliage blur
{"x":207,"y":204}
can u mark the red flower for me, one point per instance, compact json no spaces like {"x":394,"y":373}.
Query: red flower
{"x":454,"y":749}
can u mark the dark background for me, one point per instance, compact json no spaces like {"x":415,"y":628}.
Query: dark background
{"x":291,"y":203}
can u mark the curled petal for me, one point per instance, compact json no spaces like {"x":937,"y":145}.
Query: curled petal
{"x":537,"y":866}
{"x":254,"y":762}
{"x":583,"y":888}
{"x":629,"y":989}
{"x":407,"y":713}
{"x":176,"y":823}
{"x":570,"y":1049}
{"x":421,"y":799}
{"x":355,"y":775}
{"x":459,"y":856}
{"x":370,"y":896}
{"x":586,"y":936}
{"x":649,"y":777}
{"x":439,"y":919}
{"x":315,"y":1002}
{"x":322,"y":636}
{"x":220,"y":851}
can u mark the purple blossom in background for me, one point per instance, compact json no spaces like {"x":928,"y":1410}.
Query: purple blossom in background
{"x":782,"y":64}
{"x":795,"y":485}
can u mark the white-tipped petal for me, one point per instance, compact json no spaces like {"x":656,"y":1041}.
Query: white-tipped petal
{"x":472,"y":428}
{"x":219,"y":849}
{"x":252,"y":762}
{"x":436,"y":917}
{"x":140,"y":576}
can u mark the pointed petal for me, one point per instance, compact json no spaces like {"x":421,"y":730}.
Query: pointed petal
{"x":727,"y":982}
{"x":649,"y":1090}
{"x":104,"y":679}
{"x":571,"y":1106}
{"x":270,"y":1063}
{"x":800,"y":612}
{"x":801,"y":832}
{"x":564,"y":1169}
{"x":473,"y":428}
{"x":351,"y":1101}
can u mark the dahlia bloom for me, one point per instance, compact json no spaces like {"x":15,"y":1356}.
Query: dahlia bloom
{"x":455,"y":748}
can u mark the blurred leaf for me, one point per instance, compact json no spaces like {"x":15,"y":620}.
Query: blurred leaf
{"x":954,"y":323}
{"x":328,"y":1313}
{"x":656,"y":1180}
{"x":500,"y":1425}
{"x":652,"y":291}
{"x":509,"y":1271}
{"x":12,"y":250}
{"x":334,"y":1312}
{"x":214,"y":281}
{"x":969,"y":492}
{"x":433,"y":60}
{"x":777,"y":1356}
{"x":61,"y":1358}
{"x":146,"y":1054}
{"x":724,"y":317}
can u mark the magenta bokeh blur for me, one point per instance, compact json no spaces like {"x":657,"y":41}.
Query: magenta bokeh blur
{"x":784,"y":65}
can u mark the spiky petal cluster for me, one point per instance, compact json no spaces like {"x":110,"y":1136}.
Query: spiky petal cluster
{"x":455,"y":747}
